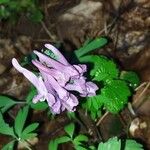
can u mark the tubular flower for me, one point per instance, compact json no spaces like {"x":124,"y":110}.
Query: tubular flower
{"x":57,"y":78}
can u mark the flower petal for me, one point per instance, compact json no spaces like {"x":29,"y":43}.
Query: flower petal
{"x":56,"y":107}
{"x":78,"y":85}
{"x":70,"y":103}
{"x":61,"y":78}
{"x":81,"y":68}
{"x":91,"y":88}
{"x":36,"y":81}
{"x":69,"y":69}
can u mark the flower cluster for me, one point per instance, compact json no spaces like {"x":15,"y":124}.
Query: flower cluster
{"x":56,"y":79}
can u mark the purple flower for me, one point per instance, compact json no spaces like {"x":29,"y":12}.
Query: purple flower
{"x":56,"y":79}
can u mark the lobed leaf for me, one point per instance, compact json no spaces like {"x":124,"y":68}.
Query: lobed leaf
{"x":53,"y":145}
{"x":4,"y":127}
{"x":91,"y":45}
{"x":111,"y":144}
{"x":133,"y":145}
{"x":79,"y":147}
{"x":29,"y":128}
{"x":115,"y":94}
{"x":20,"y":120}
{"x":131,"y":77}
{"x":6,"y":103}
{"x":28,"y":136}
{"x":103,"y":68}
{"x":70,"y":129}
{"x":80,"y":138}
{"x":9,"y":146}
{"x":63,"y":139}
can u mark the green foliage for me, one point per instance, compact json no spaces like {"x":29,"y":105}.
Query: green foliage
{"x":103,"y":67}
{"x":114,"y":93}
{"x":26,"y":134}
{"x":6,"y":103}
{"x":19,"y":132}
{"x":53,"y":145}
{"x":20,"y":120}
{"x":93,"y":106}
{"x":77,"y":141}
{"x":9,"y":146}
{"x":37,"y":106}
{"x":90,"y":45}
{"x":131,"y":78}
{"x":5,"y":128}
{"x":115,"y":144}
{"x":70,"y":129}
{"x":12,"y":9}
{"x":133,"y":145}
{"x":111,"y":144}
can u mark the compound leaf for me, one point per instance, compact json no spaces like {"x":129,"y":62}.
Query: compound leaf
{"x":80,"y":138}
{"x":115,"y":93}
{"x":91,"y":45}
{"x":63,"y":139}
{"x":4,"y":127}
{"x":111,"y":144}
{"x":133,"y":145}
{"x":131,"y":77}
{"x":70,"y":129}
{"x":20,"y":120}
{"x":9,"y":146}
{"x":103,"y":68}
{"x":6,"y":103}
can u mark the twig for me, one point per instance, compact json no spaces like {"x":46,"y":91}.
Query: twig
{"x":142,"y":93}
{"x":47,"y":31}
{"x":140,"y":86}
{"x":102,"y":118}
{"x":131,"y":110}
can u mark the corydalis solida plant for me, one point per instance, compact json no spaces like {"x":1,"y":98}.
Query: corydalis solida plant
{"x":56,"y":79}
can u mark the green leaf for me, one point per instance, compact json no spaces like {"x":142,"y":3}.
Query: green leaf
{"x":80,"y":138}
{"x":103,"y":67}
{"x":90,"y":46}
{"x":71,"y":115}
{"x":63,"y":139}
{"x":39,"y":105}
{"x":111,"y":144}
{"x":70,"y":129}
{"x":79,"y":147}
{"x":4,"y":127}
{"x":4,"y":1}
{"x":9,"y":146}
{"x":6,"y":103}
{"x":36,"y":16}
{"x":31,"y":94}
{"x":115,"y":94}
{"x":20,"y":120}
{"x":92,"y":147}
{"x":93,"y":105}
{"x":131,"y":77}
{"x":29,"y":128}
{"x":28,"y":136}
{"x":53,"y":145}
{"x":133,"y":145}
